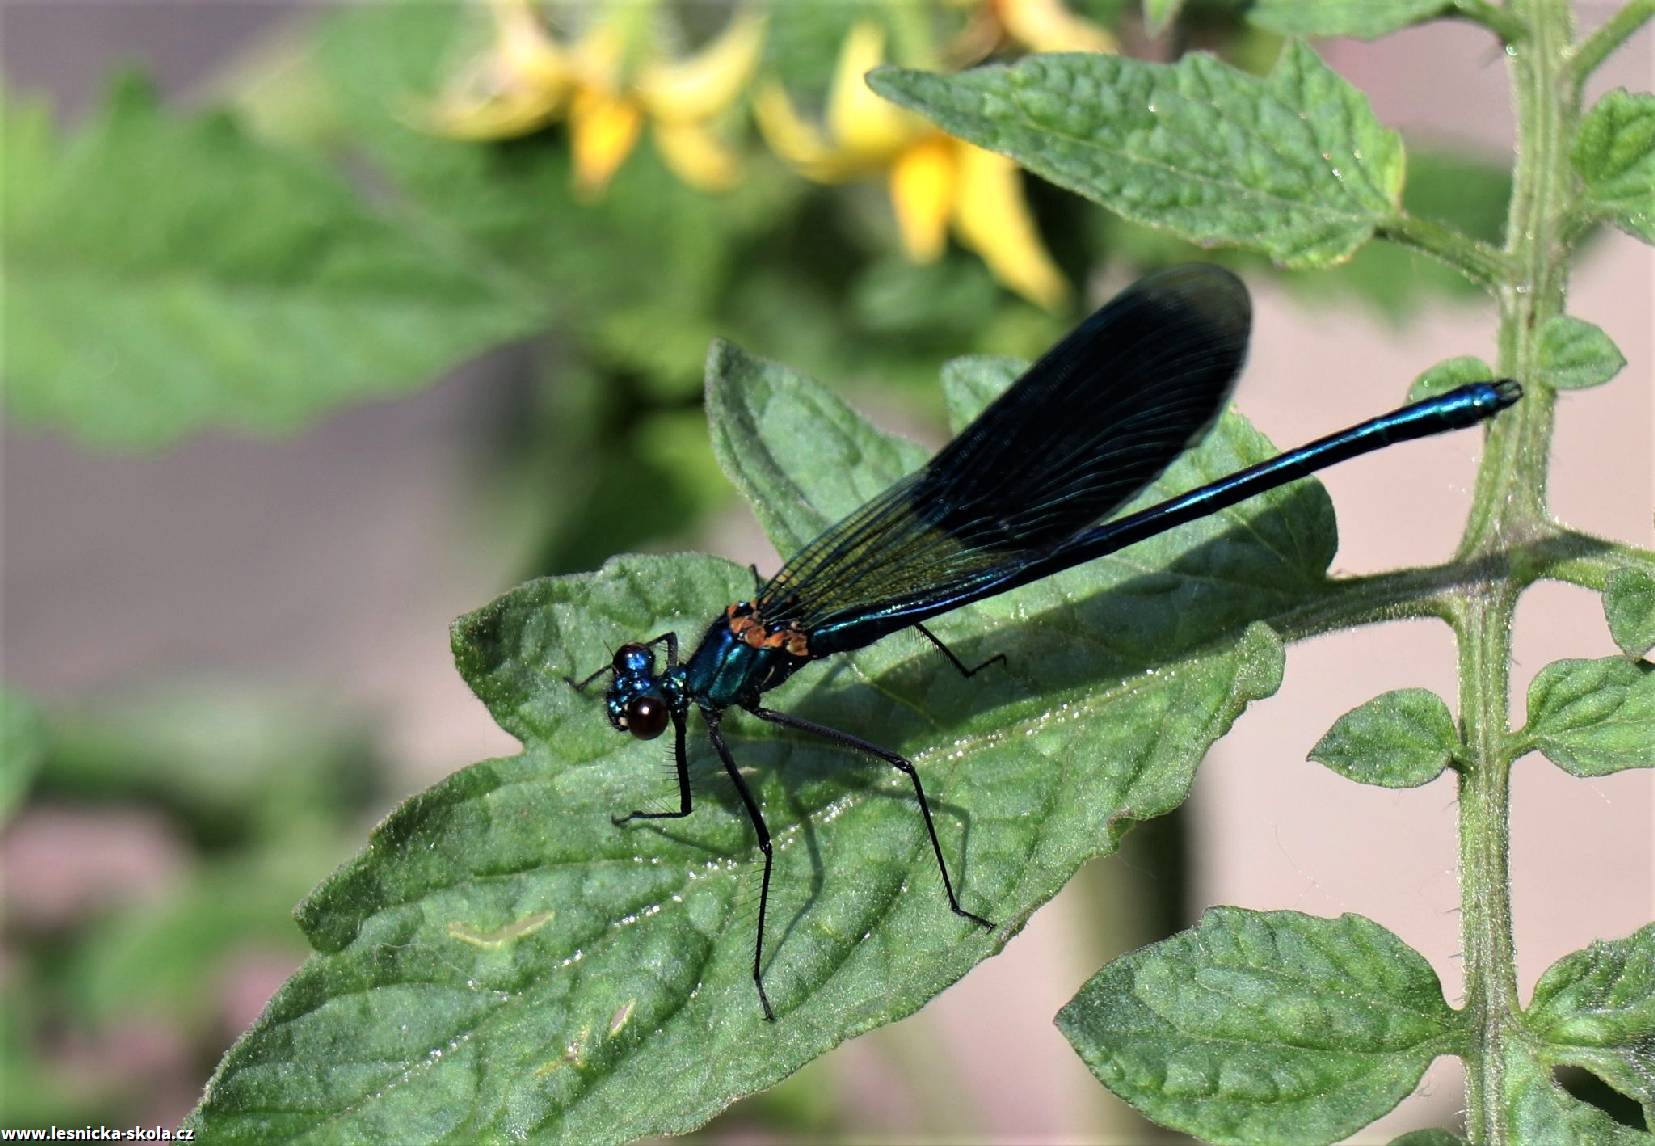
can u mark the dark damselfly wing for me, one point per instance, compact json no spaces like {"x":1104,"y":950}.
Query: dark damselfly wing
{"x":1092,"y":423}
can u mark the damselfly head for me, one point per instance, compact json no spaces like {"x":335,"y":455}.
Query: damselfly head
{"x":634,"y":702}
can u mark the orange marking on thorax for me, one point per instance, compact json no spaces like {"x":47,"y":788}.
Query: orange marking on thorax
{"x":750,"y":629}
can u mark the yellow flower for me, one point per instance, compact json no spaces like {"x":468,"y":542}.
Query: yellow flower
{"x":527,"y":80}
{"x":934,"y":179}
{"x":1033,"y":25}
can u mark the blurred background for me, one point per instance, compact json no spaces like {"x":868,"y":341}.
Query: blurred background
{"x":324,"y":325}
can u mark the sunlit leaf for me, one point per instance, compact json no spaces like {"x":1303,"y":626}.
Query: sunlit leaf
{"x":1576,"y":355}
{"x":1596,"y":1009}
{"x":1594,"y":717}
{"x":1294,"y":165}
{"x":1400,"y":739}
{"x":1260,"y":1027}
{"x":1629,"y":607}
{"x":504,"y":960}
{"x":1614,"y":154}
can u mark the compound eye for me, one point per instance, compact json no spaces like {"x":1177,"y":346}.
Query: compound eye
{"x":646,"y":717}
{"x":629,"y":658}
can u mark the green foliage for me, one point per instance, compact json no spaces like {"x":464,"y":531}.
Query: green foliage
{"x":1592,"y":718}
{"x":1629,"y":607}
{"x":21,"y":746}
{"x":560,"y":982}
{"x":1303,"y":171}
{"x":1596,"y":1009}
{"x":1614,"y":155}
{"x":1398,"y":739}
{"x":259,"y":799}
{"x":1575,"y":355}
{"x":1262,"y":1027}
{"x":1448,"y":374}
{"x":1542,"y":1111}
{"x":166,"y":274}
{"x":1364,"y":19}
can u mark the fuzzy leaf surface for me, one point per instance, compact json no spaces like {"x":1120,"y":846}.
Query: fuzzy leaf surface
{"x":1539,"y":1110}
{"x":503,"y":961}
{"x":253,"y":288}
{"x":1448,"y":374}
{"x":1614,"y":155}
{"x":1576,"y":354}
{"x":1264,"y":1026}
{"x":1596,"y":1009}
{"x":1363,"y":19}
{"x":1594,"y":717}
{"x":1629,"y":607}
{"x":1294,"y":165}
{"x":1400,"y":739}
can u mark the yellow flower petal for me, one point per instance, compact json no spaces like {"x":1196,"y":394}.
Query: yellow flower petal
{"x":795,"y":140}
{"x":527,"y":54}
{"x":470,"y":112}
{"x":700,"y":86}
{"x":993,"y":219}
{"x":860,"y":122}
{"x":923,"y":186}
{"x":602,"y":130}
{"x":696,"y":156}
{"x":518,"y":87}
{"x":1047,"y":26}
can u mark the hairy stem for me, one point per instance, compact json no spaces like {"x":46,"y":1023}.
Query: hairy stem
{"x":1493,"y":17}
{"x":1509,"y":513}
{"x":1482,"y":263}
{"x":1597,"y":47}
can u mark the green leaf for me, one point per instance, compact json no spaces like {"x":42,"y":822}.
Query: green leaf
{"x":1430,"y":1137}
{"x":1364,"y":19}
{"x":165,"y":274}
{"x":1399,"y":739}
{"x":1538,"y":1110}
{"x":1264,"y":1026}
{"x":1448,"y":374}
{"x":1614,"y":155}
{"x":1294,"y":165}
{"x":1596,"y":1009}
{"x":1159,"y":15}
{"x":22,"y":744}
{"x":1629,"y":607}
{"x":1593,"y":717}
{"x":503,"y":959}
{"x":1575,"y":355}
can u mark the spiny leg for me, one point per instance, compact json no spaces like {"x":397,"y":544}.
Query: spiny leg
{"x":671,"y":641}
{"x":757,"y":817}
{"x":968,"y":673}
{"x":681,"y":758}
{"x":580,"y":685}
{"x":901,"y":764}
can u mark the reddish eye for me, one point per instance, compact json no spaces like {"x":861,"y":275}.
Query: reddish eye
{"x":646,"y":717}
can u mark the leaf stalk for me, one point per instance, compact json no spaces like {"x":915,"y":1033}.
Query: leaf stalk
{"x":1588,"y":56}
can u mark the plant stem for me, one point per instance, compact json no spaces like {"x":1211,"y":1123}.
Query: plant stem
{"x":1481,"y":262}
{"x":1597,"y":47}
{"x":1509,"y":513}
{"x":1491,"y":16}
{"x":1485,"y":876}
